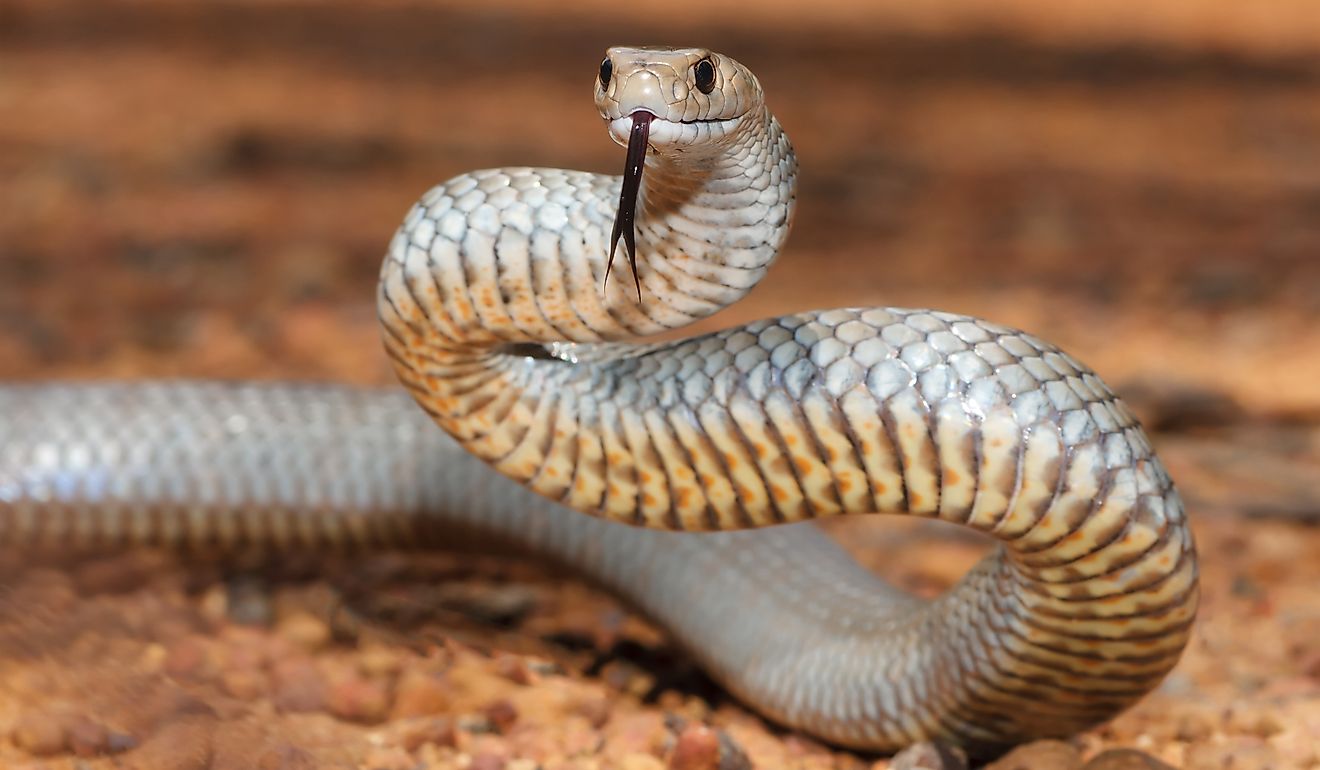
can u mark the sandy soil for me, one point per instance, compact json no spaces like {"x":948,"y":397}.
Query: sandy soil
{"x":205,"y":191}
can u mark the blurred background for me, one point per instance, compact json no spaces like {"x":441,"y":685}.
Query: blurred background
{"x":206,"y":189}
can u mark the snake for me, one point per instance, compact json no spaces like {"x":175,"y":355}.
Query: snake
{"x":698,"y":462}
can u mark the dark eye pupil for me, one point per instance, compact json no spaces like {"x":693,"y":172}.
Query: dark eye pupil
{"x":606,"y":71}
{"x":705,"y":76}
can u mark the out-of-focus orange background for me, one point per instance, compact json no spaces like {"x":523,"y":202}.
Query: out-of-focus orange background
{"x":206,"y":190}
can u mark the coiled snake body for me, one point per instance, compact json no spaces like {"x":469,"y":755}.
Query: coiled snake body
{"x":497,"y":312}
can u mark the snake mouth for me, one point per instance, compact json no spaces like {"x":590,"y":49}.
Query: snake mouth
{"x":625,"y":216}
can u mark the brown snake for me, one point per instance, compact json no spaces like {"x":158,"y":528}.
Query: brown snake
{"x":498,"y":316}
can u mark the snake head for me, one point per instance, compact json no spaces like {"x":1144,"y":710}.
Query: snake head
{"x":695,"y":97}
{"x":676,"y":100}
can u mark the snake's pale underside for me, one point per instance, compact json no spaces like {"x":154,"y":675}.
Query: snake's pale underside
{"x":501,"y":320}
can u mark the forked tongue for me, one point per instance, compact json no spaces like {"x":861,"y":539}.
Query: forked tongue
{"x":625,"y":216}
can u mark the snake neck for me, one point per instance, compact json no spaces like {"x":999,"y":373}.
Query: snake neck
{"x":711,"y":221}
{"x":519,"y":255}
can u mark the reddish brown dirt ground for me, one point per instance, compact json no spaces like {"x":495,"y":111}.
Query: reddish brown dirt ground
{"x":205,"y":190}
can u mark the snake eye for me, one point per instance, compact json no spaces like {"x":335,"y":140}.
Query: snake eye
{"x":606,"y":72}
{"x":705,"y":72}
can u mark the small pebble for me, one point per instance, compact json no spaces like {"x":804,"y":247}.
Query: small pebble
{"x":732,"y":757}
{"x":502,"y":715}
{"x":436,"y":732}
{"x":286,"y":757}
{"x":378,"y":660}
{"x":1194,"y":726}
{"x":244,"y":683}
{"x":697,"y":748}
{"x":189,"y":658}
{"x":117,"y":742}
{"x":87,"y":738}
{"x":184,"y":744}
{"x":214,"y":605}
{"x":515,"y":669}
{"x":39,"y":735}
{"x":359,"y":700}
{"x":245,"y":649}
{"x":1125,"y":759}
{"x":421,"y":693}
{"x":635,"y":733}
{"x":304,"y":630}
{"x":487,"y":761}
{"x":249,"y":602}
{"x":1040,"y":755}
{"x":1311,"y":665}
{"x":640,"y":762}
{"x":929,"y":756}
{"x":596,"y":710}
{"x":298,"y":686}
{"x":393,"y":758}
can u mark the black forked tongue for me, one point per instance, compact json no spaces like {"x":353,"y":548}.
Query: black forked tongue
{"x":625,"y":216}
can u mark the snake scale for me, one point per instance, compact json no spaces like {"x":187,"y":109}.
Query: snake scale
{"x":502,"y":318}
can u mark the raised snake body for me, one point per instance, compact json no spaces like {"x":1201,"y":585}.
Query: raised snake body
{"x":496,"y":313}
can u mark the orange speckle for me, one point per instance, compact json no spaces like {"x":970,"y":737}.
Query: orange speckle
{"x":996,"y":442}
{"x":791,"y":439}
{"x":778,"y":492}
{"x":731,"y":460}
{"x":951,"y":476}
{"x":831,"y":454}
{"x":761,"y":449}
{"x":682,"y":496}
{"x":614,"y":458}
{"x":915,"y":500}
{"x":845,"y":484}
{"x":648,"y":500}
{"x":803,"y":465}
{"x":880,"y":488}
